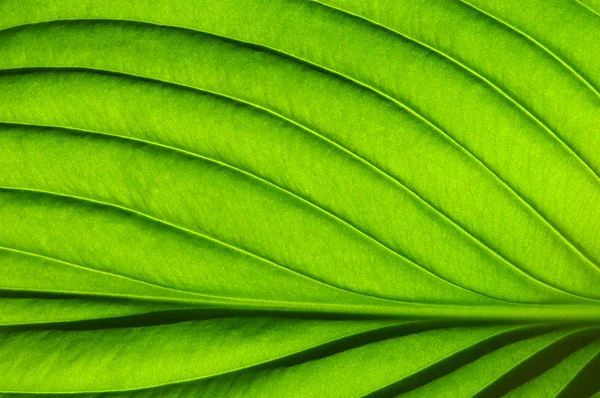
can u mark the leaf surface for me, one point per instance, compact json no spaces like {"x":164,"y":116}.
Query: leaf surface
{"x":299,"y":198}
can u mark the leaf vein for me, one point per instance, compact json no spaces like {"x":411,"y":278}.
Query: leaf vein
{"x":272,"y":185}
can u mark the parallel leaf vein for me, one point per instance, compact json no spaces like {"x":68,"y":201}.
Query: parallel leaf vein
{"x":535,"y":42}
{"x":235,"y":370}
{"x":307,"y":201}
{"x":482,"y":245}
{"x":378,"y":169}
{"x":191,"y":232}
{"x":495,"y":87}
{"x":257,"y":179}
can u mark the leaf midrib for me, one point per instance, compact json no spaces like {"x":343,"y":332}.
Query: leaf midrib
{"x":563,"y":314}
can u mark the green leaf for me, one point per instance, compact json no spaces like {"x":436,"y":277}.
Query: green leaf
{"x":300,"y":198}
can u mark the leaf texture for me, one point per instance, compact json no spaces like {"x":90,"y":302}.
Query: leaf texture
{"x":297,"y":198}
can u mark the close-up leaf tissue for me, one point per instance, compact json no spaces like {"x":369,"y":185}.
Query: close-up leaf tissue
{"x":296,"y":198}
